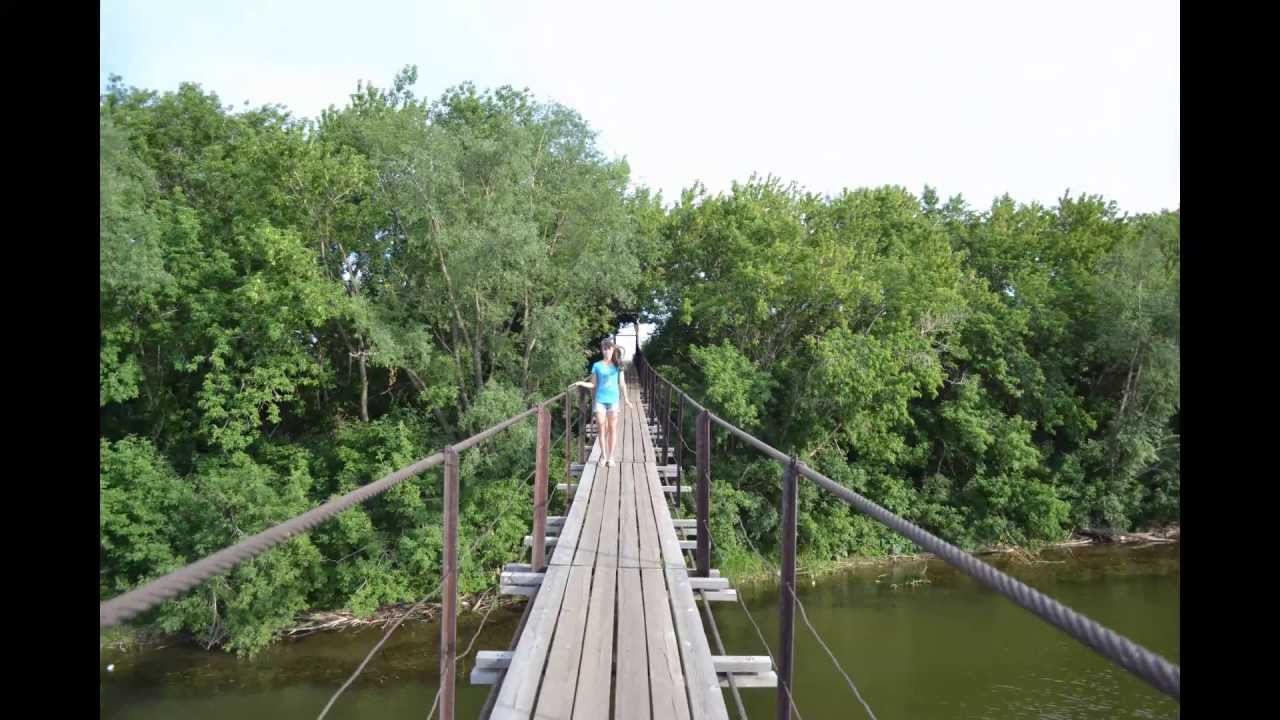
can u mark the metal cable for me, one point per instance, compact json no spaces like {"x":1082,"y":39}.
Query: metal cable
{"x":805,"y":616}
{"x":751,"y":619}
{"x":139,"y":600}
{"x":1155,"y":670}
{"x":435,"y":703}
{"x":414,"y":607}
{"x":1150,"y":667}
{"x":715,"y":632}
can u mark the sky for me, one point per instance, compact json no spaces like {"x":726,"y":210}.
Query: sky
{"x":977,"y":98}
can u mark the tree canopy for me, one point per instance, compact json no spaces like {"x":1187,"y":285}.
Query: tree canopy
{"x":291,"y":308}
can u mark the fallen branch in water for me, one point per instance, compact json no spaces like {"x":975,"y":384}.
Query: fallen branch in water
{"x":343,"y":620}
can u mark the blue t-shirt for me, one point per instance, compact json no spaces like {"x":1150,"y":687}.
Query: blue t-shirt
{"x":606,"y":375}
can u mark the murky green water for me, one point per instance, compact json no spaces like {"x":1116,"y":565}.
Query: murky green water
{"x":945,"y":649}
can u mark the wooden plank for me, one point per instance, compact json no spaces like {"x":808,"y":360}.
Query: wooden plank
{"x":705,"y":698}
{"x":610,"y":525}
{"x":671,"y":555}
{"x":628,"y":530}
{"x":666,"y":677}
{"x":596,"y":668}
{"x":589,"y":538}
{"x":573,"y":629}
{"x":520,"y":686}
{"x":596,"y":664}
{"x":708,"y":583}
{"x":631,"y":692}
{"x":569,"y":532}
{"x":519,"y":690}
{"x":520,"y":578}
{"x":751,"y":680}
{"x":513,"y":590}
{"x":738,"y":663}
{"x":720,"y":595}
{"x":555,"y":699}
{"x":496,"y":659}
{"x":651,"y":550}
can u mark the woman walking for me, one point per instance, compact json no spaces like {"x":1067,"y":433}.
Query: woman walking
{"x":606,"y":382}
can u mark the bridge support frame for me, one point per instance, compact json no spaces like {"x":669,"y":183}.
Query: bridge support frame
{"x":787,"y":606}
{"x":449,"y":586}
{"x":702,"y":555}
{"x":540,"y":472}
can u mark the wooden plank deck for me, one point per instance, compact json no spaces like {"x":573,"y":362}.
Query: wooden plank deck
{"x":614,"y":631}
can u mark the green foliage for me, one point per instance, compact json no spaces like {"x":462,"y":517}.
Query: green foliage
{"x":999,"y":377}
{"x":733,"y":382}
{"x":291,"y":309}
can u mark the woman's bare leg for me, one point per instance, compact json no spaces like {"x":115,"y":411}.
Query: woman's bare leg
{"x":603,"y":435}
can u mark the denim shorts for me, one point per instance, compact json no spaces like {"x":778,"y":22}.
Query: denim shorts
{"x":607,"y":408}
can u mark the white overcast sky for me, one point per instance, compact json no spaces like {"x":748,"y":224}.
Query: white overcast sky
{"x":980,"y":98}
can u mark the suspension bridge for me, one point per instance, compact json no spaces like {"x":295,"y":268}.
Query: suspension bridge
{"x":612,"y":626}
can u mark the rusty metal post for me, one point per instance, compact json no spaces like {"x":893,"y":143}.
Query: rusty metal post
{"x":569,"y":399}
{"x":648,"y":385}
{"x":583,"y":417}
{"x":702,"y":555}
{"x":644,"y":387}
{"x":787,"y":608}
{"x":540,"y":473}
{"x":666,"y":422}
{"x":449,"y":589}
{"x":679,"y":454}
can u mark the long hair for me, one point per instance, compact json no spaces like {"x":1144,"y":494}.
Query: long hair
{"x":612,"y":353}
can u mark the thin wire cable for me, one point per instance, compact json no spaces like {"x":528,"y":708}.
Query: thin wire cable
{"x":791,"y":699}
{"x":415,"y":606}
{"x":471,"y":644}
{"x":715,"y":632}
{"x":143,"y":598}
{"x":805,"y":616}
{"x":1120,"y":650}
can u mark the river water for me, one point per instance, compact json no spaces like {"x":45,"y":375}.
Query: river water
{"x":943,"y":647}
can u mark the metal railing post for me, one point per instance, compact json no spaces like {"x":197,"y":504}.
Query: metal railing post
{"x":787,"y":607}
{"x":702,"y":555}
{"x":540,"y":473}
{"x":449,"y":577}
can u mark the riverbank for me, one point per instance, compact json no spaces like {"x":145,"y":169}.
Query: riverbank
{"x":751,"y":570}
{"x":757,"y":569}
